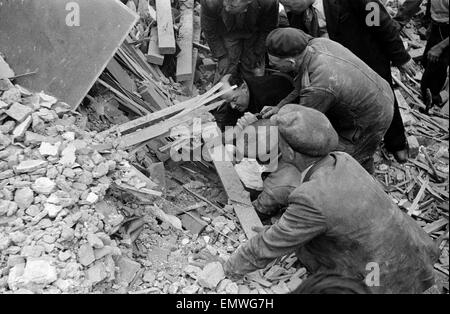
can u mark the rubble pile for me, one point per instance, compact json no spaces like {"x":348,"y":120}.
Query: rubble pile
{"x":55,"y":229}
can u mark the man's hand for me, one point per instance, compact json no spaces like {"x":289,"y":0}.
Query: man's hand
{"x":269,"y":111}
{"x":408,"y":68}
{"x":434,"y":54}
{"x":246,"y":120}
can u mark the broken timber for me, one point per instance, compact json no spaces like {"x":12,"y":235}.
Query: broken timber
{"x":235,"y":191}
{"x":166,"y":37}
{"x":163,"y":127}
{"x":185,"y":37}
{"x":153,"y":55}
{"x":142,"y":121}
{"x":197,"y":32}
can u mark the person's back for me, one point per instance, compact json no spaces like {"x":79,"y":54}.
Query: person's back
{"x":362,"y":104}
{"x":354,"y":84}
{"x":365,"y":230}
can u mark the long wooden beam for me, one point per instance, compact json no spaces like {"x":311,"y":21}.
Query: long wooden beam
{"x":166,"y":36}
{"x":185,"y":37}
{"x":153,"y":55}
{"x":162,"y":113}
{"x":236,"y":193}
{"x":163,"y":127}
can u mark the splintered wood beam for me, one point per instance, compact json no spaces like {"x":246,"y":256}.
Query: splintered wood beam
{"x":163,"y":127}
{"x":140,"y":122}
{"x":197,"y":32}
{"x":236,"y":193}
{"x":185,"y":37}
{"x":153,"y":54}
{"x":166,"y":36}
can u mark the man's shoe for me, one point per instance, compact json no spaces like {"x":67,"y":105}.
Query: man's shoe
{"x":401,"y":156}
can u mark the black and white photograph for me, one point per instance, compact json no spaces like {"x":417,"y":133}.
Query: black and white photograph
{"x":224,"y":155}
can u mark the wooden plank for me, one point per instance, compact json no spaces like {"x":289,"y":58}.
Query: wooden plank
{"x":121,"y":76}
{"x":235,"y":191}
{"x":436,"y":225}
{"x":197,"y":32}
{"x":162,"y":127}
{"x":185,"y":37}
{"x":162,"y":113}
{"x":151,"y":95}
{"x":166,"y":36}
{"x":153,"y":54}
{"x":68,"y":56}
{"x":140,"y":109}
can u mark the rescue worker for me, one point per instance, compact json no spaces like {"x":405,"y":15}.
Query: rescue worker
{"x":339,"y":219}
{"x":435,"y":57}
{"x":358,"y":102}
{"x":367,"y":30}
{"x":236,"y":31}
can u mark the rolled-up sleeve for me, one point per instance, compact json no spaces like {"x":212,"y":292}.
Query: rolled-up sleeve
{"x":301,"y":222}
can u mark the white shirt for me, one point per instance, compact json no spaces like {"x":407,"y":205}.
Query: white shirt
{"x":318,"y":6}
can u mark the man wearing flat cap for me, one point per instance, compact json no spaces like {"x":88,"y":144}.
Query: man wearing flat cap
{"x":330,"y":78}
{"x":339,"y":218}
{"x":236,"y":31}
{"x":366,"y":29}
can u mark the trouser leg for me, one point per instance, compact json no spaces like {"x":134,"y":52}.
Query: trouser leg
{"x":395,"y":138}
{"x":234,"y":49}
{"x":435,"y":73}
{"x":251,"y":63}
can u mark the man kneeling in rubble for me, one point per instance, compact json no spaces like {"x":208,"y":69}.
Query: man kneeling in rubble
{"x":339,"y":218}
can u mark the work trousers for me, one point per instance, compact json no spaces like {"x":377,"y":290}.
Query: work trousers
{"x":435,"y":74}
{"x":242,"y":60}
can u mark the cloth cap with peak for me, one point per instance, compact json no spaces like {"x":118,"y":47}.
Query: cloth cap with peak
{"x":306,"y":130}
{"x":287,"y":42}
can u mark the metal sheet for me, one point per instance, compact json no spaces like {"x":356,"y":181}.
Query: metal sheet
{"x":34,"y":35}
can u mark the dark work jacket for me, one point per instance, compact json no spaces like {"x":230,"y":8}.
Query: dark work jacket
{"x":358,"y":102}
{"x":377,"y":46}
{"x":341,"y":220}
{"x":259,"y":20}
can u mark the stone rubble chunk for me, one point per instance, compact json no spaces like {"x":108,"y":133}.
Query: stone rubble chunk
{"x":86,"y":255}
{"x":20,"y":130}
{"x":127,"y":270}
{"x":19,"y":112}
{"x":92,"y":198}
{"x":190,"y":289}
{"x":100,"y":170}
{"x":96,"y":273}
{"x":39,"y":272}
{"x":31,"y":165}
{"x":11,"y":96}
{"x":24,"y":197}
{"x":95,"y":241}
{"x":43,"y":185}
{"x":211,"y":275}
{"x":48,"y":149}
{"x":14,"y":276}
{"x":7,"y":127}
{"x":52,"y":209}
{"x":68,"y":156}
{"x":5,"y":140}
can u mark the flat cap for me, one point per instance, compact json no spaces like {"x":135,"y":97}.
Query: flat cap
{"x":286,"y":42}
{"x":306,"y":130}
